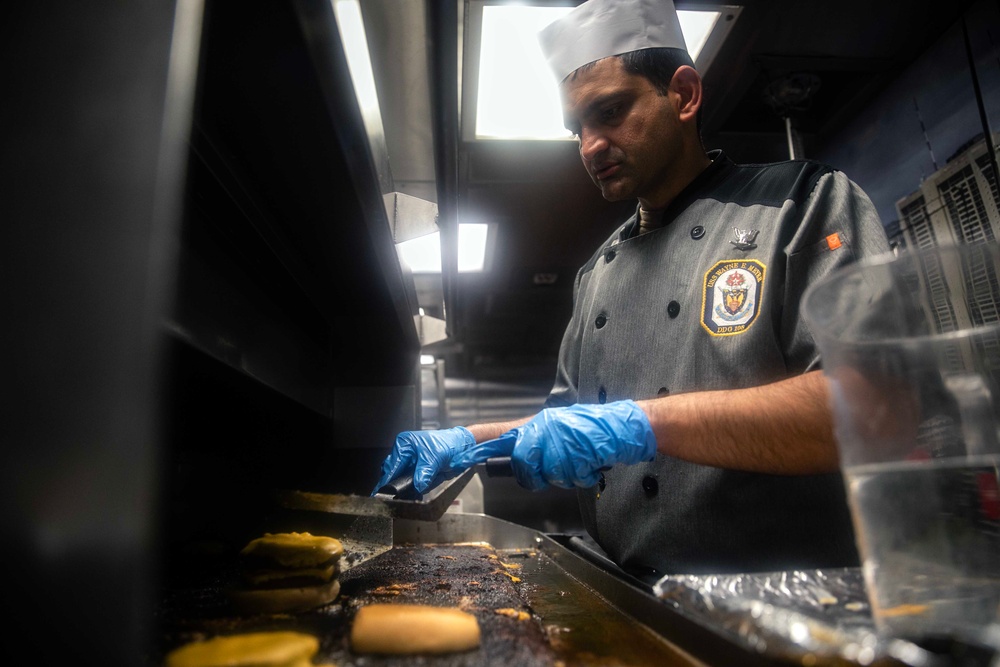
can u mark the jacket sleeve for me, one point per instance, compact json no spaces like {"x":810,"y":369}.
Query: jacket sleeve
{"x":839,"y":226}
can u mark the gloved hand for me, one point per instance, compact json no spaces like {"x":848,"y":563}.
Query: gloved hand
{"x":568,"y":447}
{"x":428,"y":455}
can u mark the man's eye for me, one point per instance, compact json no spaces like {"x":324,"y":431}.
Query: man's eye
{"x":610,"y":113}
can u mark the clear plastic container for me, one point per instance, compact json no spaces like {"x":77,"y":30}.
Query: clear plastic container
{"x":911,"y":347}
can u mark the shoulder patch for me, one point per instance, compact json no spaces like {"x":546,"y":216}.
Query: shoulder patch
{"x":731,"y":296}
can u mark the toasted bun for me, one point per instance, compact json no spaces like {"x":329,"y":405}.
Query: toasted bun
{"x":257,"y":649}
{"x":294,"y":549}
{"x":283,"y":600}
{"x":408,"y":628}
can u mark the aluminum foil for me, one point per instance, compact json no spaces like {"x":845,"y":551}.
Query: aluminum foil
{"x":809,"y":617}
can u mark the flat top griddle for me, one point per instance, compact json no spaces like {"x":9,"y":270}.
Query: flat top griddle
{"x":564,"y":622}
{"x":575,"y":611}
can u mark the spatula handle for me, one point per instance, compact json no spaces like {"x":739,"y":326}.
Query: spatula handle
{"x":401,"y":488}
{"x":499,"y":466}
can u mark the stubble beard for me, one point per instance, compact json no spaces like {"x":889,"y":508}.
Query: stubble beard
{"x":615,"y":189}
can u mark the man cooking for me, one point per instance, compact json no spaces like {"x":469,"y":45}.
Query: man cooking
{"x":688,"y":407}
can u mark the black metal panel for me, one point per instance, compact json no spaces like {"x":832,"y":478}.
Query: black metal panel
{"x":295,"y":352}
{"x":444,"y":28}
{"x":93,"y":150}
{"x":126,"y":405}
{"x":294,"y":158}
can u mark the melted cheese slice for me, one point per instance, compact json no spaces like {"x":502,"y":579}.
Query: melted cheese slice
{"x":257,"y":649}
{"x":403,"y":629}
{"x":294,"y":549}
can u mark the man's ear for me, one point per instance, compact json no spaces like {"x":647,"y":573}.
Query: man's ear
{"x":686,"y":85}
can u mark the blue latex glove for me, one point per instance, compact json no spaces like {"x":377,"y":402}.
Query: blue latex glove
{"x":427,"y":455}
{"x":568,"y":447}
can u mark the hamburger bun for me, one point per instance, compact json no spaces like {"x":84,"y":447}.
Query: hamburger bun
{"x":293,"y":549}
{"x":403,"y":629}
{"x":287,"y":572}
{"x":257,"y":649}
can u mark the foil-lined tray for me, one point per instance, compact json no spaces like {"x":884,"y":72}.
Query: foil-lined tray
{"x":810,"y":617}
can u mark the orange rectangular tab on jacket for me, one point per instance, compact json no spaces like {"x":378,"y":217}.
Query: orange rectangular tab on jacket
{"x":833,"y":241}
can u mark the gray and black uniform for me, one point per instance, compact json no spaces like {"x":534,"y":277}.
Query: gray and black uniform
{"x":711,"y":301}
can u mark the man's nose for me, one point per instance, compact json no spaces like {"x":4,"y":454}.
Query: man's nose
{"x":592,"y":144}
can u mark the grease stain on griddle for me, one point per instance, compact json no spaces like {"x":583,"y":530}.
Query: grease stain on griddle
{"x":584,"y":629}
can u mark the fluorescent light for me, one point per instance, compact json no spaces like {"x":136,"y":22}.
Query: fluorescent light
{"x":472,"y":247}
{"x":426,"y":359}
{"x":352,"y":32}
{"x":518,"y":96}
{"x":697,"y":26}
{"x":423,"y":254}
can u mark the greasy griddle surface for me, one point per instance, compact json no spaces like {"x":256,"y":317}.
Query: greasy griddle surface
{"x":474,"y":578}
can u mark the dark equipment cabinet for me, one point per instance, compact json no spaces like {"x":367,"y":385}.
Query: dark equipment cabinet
{"x":202,"y":295}
{"x":292,"y":316}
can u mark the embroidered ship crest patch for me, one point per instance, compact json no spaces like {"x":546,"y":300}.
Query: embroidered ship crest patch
{"x":731,"y":296}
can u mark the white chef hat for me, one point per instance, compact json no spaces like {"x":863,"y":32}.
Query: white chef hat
{"x":601,"y":28}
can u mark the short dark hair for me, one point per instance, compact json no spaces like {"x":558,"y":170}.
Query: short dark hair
{"x":658,"y":65}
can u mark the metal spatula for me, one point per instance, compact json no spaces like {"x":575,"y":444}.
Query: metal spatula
{"x":363,"y":523}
